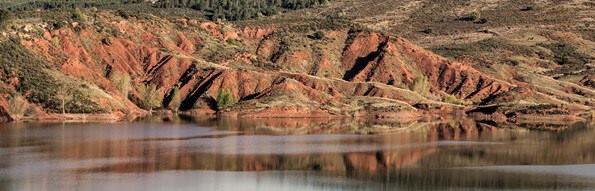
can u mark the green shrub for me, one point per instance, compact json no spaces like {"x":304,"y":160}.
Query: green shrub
{"x":123,"y":14}
{"x":5,"y":18}
{"x":82,"y":103}
{"x":176,"y":99}
{"x":565,"y":53}
{"x":326,"y":74}
{"x":17,"y":106}
{"x":319,"y":35}
{"x":149,"y":97}
{"x":355,"y":106}
{"x":455,"y":100}
{"x":78,"y":15}
{"x":225,"y":99}
{"x":74,"y":99}
{"x":235,"y":42}
{"x":55,"y":41}
{"x":421,"y":85}
{"x":474,"y":16}
{"x":122,"y":83}
{"x":59,"y":24}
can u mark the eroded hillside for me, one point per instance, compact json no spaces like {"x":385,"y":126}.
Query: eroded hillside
{"x":120,"y":66}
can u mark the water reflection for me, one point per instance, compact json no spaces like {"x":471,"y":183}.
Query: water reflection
{"x":284,"y":155}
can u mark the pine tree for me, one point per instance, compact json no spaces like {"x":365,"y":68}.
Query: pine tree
{"x":5,"y":18}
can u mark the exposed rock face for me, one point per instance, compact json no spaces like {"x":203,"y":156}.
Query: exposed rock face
{"x":393,"y":61}
{"x":453,"y":77}
{"x":345,"y":73}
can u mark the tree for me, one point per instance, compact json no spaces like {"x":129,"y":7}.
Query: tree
{"x":122,"y":83}
{"x":215,"y":9}
{"x":64,"y":94}
{"x":421,"y":85}
{"x":225,"y":99}
{"x":17,"y":106}
{"x":176,"y":99}
{"x":78,"y":15}
{"x":5,"y":18}
{"x":149,"y":96}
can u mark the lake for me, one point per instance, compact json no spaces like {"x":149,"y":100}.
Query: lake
{"x":277,"y":155}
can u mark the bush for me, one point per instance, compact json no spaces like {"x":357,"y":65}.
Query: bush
{"x":225,"y":99}
{"x":176,"y":99}
{"x":421,"y":85}
{"x":234,"y":42}
{"x":17,"y":106}
{"x":106,"y":41}
{"x":122,"y":83}
{"x":474,"y":16}
{"x":149,"y":97}
{"x":123,"y":14}
{"x":78,"y":15}
{"x":565,"y":53}
{"x":59,"y":24}
{"x":319,"y":35}
{"x":64,"y":93}
{"x":454,"y":100}
{"x":5,"y":18}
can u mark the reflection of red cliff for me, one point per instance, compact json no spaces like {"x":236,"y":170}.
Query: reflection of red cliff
{"x":385,"y":161}
{"x":159,"y":158}
{"x":465,"y":130}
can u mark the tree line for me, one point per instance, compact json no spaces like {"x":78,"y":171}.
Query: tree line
{"x":239,"y":9}
{"x":30,"y":5}
{"x":213,"y":9}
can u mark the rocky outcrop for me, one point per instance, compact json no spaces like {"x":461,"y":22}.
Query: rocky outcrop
{"x":396,"y":61}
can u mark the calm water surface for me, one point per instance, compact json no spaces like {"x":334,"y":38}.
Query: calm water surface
{"x":294,"y":155}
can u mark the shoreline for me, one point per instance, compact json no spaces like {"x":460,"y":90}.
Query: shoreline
{"x":534,"y":122}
